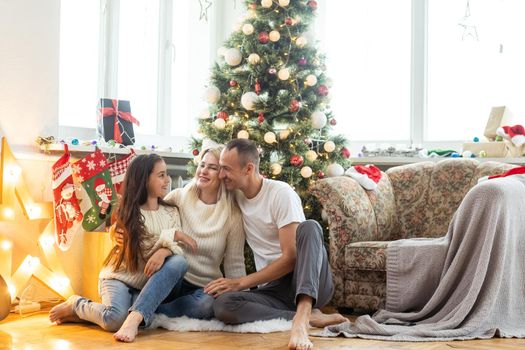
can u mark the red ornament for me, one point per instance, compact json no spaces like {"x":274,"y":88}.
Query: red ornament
{"x":233,"y":83}
{"x":320,"y":174}
{"x":288,"y":21}
{"x":253,"y":5}
{"x":257,"y":87}
{"x":322,"y":90}
{"x":333,"y":121}
{"x":294,"y":106}
{"x":195,"y":152}
{"x":296,"y":160}
{"x":222,"y":115}
{"x":263,"y":37}
{"x":345,"y":152}
{"x":260,"y":118}
{"x":302,"y":61}
{"x":312,"y":4}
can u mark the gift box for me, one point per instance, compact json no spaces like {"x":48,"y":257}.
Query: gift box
{"x":115,"y":121}
{"x":492,"y":149}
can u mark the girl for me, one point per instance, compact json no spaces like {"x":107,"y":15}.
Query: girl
{"x":140,"y":273}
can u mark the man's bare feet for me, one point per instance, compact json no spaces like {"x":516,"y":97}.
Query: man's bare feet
{"x":63,"y":313}
{"x":320,"y":320}
{"x":128,"y":331}
{"x":299,"y":334}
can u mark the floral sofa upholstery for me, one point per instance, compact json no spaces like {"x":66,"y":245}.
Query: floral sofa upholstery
{"x":415,"y":200}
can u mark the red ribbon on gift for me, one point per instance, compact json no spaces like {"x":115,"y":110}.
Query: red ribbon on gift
{"x":114,"y":112}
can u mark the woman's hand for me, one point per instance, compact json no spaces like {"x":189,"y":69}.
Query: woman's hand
{"x":186,"y":240}
{"x":155,"y":261}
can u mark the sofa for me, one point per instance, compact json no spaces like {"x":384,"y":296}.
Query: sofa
{"x":415,"y":200}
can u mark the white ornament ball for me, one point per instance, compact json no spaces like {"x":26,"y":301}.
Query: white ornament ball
{"x":254,"y":58}
{"x":221,"y":51}
{"x":212,"y":94}
{"x":243,"y":134}
{"x":318,"y":120}
{"x":269,"y":137}
{"x":205,"y":114}
{"x":306,"y":172}
{"x":284,"y":73}
{"x":329,"y":146}
{"x":247,"y":29}
{"x":334,"y":169}
{"x":248,"y":99}
{"x":311,"y":155}
{"x":301,"y":41}
{"x":233,"y":56}
{"x":466,"y":154}
{"x":283,"y":134}
{"x":266,"y":3}
{"x":284,"y":2}
{"x":276,"y":168}
{"x":219,"y":123}
{"x":311,"y":80}
{"x":274,"y":35}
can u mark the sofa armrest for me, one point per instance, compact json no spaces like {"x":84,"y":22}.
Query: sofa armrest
{"x":349,"y":212}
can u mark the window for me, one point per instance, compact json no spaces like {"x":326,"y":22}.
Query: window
{"x":367,"y":44}
{"x":475,"y":62}
{"x":146,"y":57}
{"x":423,"y":71}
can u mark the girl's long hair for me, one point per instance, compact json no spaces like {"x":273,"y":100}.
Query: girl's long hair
{"x":128,"y":215}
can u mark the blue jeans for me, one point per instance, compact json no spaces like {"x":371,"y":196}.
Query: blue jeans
{"x":188,"y":300}
{"x":118,"y":299}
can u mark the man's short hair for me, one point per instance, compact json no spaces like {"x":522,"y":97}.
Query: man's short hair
{"x":246,"y":150}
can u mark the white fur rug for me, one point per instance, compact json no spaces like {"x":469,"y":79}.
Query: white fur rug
{"x":185,"y":324}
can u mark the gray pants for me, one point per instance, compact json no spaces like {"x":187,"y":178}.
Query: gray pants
{"x":277,"y":299}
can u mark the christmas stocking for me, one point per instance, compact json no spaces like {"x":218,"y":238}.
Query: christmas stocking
{"x":92,"y":171}
{"x":118,"y":168}
{"x":68,"y":215}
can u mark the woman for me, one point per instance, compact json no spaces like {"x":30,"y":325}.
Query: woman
{"x":140,"y":273}
{"x":210,"y":216}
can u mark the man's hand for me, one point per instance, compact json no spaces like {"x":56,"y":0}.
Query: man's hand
{"x":186,"y":240}
{"x":223,"y":285}
{"x":117,"y":234}
{"x":155,"y":261}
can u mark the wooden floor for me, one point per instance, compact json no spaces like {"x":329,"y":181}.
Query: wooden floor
{"x":36,"y":332}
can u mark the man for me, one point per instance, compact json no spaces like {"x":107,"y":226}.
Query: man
{"x":293,"y":274}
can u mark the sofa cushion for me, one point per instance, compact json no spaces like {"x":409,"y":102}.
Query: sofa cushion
{"x":369,"y":255}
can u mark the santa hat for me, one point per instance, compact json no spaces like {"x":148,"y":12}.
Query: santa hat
{"x":367,"y":175}
{"x":514,"y":133}
{"x":99,"y":181}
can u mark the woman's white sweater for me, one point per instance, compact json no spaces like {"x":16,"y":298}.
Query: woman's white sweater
{"x":218,"y":231}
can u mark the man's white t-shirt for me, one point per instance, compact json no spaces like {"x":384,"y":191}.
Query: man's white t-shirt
{"x":276,"y":205}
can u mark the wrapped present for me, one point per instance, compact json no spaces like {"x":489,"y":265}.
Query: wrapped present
{"x":115,"y":121}
{"x":492,"y":149}
{"x":498,"y":116}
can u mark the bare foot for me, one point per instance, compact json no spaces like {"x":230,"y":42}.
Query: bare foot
{"x":320,"y":320}
{"x":128,"y":331}
{"x":299,"y":335}
{"x":64,"y":312}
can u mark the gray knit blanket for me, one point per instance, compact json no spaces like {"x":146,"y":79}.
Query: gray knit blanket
{"x":468,"y":284}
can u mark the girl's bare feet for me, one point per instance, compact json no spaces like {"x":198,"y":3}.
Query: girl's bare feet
{"x":128,"y":331}
{"x":65,"y":312}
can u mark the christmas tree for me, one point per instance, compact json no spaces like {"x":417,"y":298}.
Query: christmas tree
{"x":270,"y":86}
